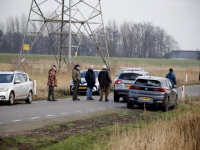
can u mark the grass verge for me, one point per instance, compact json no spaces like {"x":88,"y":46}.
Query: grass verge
{"x":121,"y":129}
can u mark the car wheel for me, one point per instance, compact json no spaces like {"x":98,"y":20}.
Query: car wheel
{"x":99,"y":91}
{"x":130,"y":105}
{"x":11,"y":98}
{"x":125,"y":99}
{"x":116,"y":98}
{"x":141,"y":105}
{"x":165,"y":107}
{"x":30,"y":98}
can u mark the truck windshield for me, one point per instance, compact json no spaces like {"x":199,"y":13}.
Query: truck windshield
{"x":6,"y":78}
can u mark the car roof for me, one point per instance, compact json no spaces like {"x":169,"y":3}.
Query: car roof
{"x":10,"y":72}
{"x":132,"y":68}
{"x":151,"y":77}
{"x":136,"y":72}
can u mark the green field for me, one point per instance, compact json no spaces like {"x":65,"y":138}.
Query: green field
{"x":6,"y":58}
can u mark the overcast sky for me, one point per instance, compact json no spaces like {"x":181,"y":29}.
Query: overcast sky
{"x":180,"y":18}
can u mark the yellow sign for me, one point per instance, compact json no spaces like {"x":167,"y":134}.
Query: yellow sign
{"x":26,"y":47}
{"x":75,"y":53}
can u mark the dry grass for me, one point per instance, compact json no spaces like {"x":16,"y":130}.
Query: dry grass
{"x":38,"y":70}
{"x":181,"y":132}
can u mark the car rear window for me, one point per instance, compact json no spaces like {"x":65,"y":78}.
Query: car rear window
{"x":129,"y":76}
{"x":145,"y":82}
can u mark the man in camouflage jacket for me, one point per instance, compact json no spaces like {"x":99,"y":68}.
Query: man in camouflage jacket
{"x":52,"y":82}
{"x":76,"y":80}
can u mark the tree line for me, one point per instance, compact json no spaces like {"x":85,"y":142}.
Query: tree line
{"x":129,"y":39}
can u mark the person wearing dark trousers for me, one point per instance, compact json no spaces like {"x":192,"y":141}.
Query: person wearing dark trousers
{"x":171,"y":76}
{"x":105,"y":81}
{"x":90,"y":79}
{"x":76,"y":80}
{"x":52,"y":82}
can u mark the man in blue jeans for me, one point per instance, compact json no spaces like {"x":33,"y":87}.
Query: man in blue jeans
{"x":90,"y":79}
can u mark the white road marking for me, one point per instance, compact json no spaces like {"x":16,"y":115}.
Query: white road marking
{"x":17,"y":120}
{"x":50,"y":115}
{"x":78,"y":111}
{"x":102,"y":108}
{"x":64,"y":113}
{"x":35,"y":118}
{"x":90,"y":109}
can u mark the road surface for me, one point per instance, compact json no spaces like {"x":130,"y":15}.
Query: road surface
{"x":41,"y":110}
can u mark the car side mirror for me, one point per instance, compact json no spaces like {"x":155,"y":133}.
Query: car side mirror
{"x":175,"y":86}
{"x":17,"y":82}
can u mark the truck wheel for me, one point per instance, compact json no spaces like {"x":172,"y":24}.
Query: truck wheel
{"x":11,"y":98}
{"x":30,"y":98}
{"x":116,"y":98}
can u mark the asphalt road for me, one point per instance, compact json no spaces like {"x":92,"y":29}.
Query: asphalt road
{"x":41,"y":110}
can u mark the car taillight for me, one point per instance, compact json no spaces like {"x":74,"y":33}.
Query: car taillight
{"x":118,"y":82}
{"x":134,"y":87}
{"x":160,"y":90}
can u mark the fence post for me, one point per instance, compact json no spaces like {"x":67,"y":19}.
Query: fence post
{"x":34,"y":90}
{"x":186,"y":78}
{"x":199,"y":75}
{"x":183,"y":93}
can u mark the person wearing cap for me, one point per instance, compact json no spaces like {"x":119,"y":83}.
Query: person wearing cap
{"x":171,"y":76}
{"x":51,"y":83}
{"x":76,"y":80}
{"x":90,"y":79}
{"x":105,"y":81}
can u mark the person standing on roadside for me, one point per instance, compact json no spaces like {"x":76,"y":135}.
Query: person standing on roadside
{"x":52,"y":82}
{"x":76,"y":76}
{"x":105,"y":81}
{"x":90,"y":79}
{"x":171,"y":76}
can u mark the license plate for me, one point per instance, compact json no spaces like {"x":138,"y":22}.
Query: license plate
{"x":128,"y":85}
{"x":82,"y":87}
{"x":146,"y":98}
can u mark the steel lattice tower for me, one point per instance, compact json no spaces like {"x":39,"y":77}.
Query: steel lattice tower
{"x":66,"y":22}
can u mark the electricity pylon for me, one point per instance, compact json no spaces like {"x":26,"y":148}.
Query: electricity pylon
{"x":65,"y":24}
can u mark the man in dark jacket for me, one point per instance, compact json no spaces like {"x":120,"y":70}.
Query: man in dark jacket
{"x":171,"y":76}
{"x":76,"y":80}
{"x":90,"y":79}
{"x":51,"y":83}
{"x":105,"y":81}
